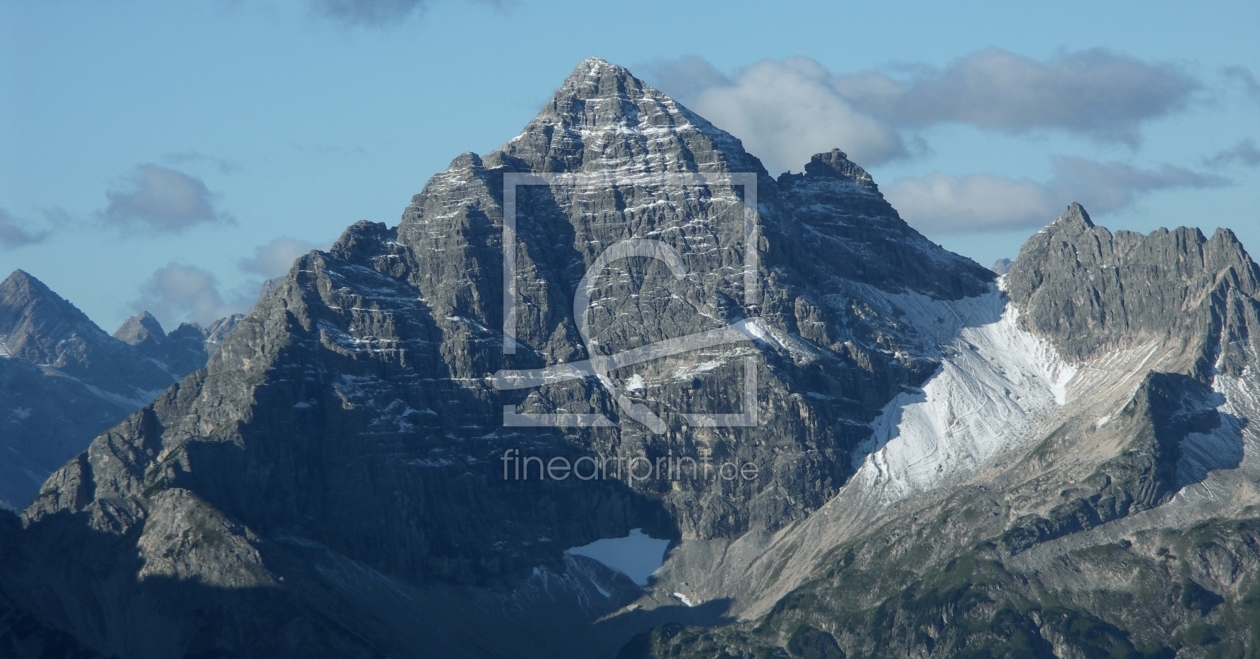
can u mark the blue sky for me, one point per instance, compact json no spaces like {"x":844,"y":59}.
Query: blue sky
{"x":171,"y":156}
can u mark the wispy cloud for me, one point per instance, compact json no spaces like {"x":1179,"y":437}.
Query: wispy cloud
{"x":1111,"y":186}
{"x":1243,"y":76}
{"x":369,"y":13}
{"x":178,"y":292}
{"x":1244,"y":153}
{"x":787,"y":110}
{"x":1094,"y":93}
{"x":940,"y":203}
{"x":16,"y":232}
{"x":185,"y":157}
{"x":162,"y":199}
{"x":276,"y":257}
{"x":377,"y":13}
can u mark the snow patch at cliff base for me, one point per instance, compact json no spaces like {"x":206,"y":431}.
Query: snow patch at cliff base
{"x":1224,"y":446}
{"x":637,"y":555}
{"x":995,"y":383}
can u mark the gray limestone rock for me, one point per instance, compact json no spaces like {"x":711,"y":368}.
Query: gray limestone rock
{"x":339,"y":479}
{"x":353,"y":407}
{"x":1089,"y":290}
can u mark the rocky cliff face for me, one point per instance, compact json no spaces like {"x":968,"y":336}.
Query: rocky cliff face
{"x":926,"y":451}
{"x":353,"y":409}
{"x":1122,"y":520}
{"x":63,"y":380}
{"x":1090,"y":291}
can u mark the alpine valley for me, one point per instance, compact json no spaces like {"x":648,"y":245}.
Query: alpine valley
{"x":933,"y":460}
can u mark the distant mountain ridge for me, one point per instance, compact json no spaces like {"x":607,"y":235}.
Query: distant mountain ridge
{"x":181,"y":352}
{"x":63,"y":380}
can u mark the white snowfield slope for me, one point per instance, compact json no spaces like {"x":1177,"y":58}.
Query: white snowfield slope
{"x":1222,"y":447}
{"x":1222,"y":467}
{"x":996,"y":388}
{"x":637,"y":555}
{"x":998,"y":391}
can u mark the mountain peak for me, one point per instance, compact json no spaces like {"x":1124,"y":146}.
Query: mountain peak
{"x":19,"y":275}
{"x":836,"y":164}
{"x":1088,"y":290}
{"x":1075,"y":215}
{"x":39,"y":326}
{"x":21,"y":283}
{"x":597,"y":69}
{"x":140,"y":328}
{"x":28,"y":308}
{"x":595,"y":78}
{"x":604,"y":118}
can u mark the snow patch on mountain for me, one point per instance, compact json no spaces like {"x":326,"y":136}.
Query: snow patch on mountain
{"x":996,"y":384}
{"x":1223,"y":446}
{"x":637,"y":555}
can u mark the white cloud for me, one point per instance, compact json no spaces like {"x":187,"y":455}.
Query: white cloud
{"x":161,"y":199}
{"x":686,"y":77}
{"x":16,"y":232}
{"x":1103,"y":187}
{"x":180,"y":292}
{"x":1095,"y":93}
{"x":177,"y":292}
{"x":276,"y":257}
{"x":940,"y":203}
{"x":785,"y":111}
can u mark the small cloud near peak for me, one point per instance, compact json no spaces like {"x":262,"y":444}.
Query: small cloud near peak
{"x":163,"y":200}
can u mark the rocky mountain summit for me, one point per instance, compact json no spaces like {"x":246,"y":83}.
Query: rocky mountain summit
{"x":184,"y":350}
{"x":1092,"y":291}
{"x":921,"y":451}
{"x":63,"y":380}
